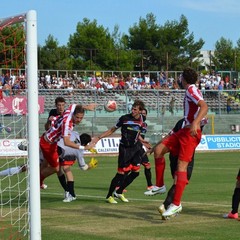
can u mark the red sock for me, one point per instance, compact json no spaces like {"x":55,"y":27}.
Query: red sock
{"x":180,"y":186}
{"x":159,"y":170}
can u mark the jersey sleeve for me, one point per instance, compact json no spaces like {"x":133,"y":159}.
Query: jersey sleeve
{"x":194,"y":94}
{"x":119,"y":123}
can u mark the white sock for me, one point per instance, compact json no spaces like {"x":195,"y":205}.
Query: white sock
{"x":11,"y":171}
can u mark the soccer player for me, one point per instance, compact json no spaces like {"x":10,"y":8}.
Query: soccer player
{"x":233,"y":214}
{"x":130,"y":150}
{"x":145,"y":161}
{"x":13,"y":170}
{"x":173,"y":166}
{"x":184,"y":142}
{"x":61,"y":127}
{"x":67,"y":157}
{"x":58,"y":111}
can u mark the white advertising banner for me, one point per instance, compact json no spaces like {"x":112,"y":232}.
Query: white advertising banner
{"x":9,"y":147}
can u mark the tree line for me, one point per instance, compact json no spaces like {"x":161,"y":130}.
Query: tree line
{"x":147,"y":46}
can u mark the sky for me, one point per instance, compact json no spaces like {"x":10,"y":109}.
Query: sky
{"x":207,"y":19}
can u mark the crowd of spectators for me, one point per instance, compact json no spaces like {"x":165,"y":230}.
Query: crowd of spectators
{"x":13,"y":85}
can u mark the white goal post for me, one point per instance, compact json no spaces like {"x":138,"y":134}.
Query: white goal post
{"x":33,"y":186}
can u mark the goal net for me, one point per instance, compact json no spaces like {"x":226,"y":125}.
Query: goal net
{"x":19,"y":180}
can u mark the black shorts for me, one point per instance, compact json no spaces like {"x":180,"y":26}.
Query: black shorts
{"x":130,"y":155}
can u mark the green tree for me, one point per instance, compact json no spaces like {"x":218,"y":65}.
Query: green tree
{"x":224,"y":54}
{"x":52,"y":56}
{"x":237,"y":57}
{"x":164,"y":47}
{"x":91,"y":46}
{"x":178,"y":45}
{"x":144,"y":39}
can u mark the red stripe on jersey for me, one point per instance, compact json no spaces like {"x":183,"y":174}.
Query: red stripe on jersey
{"x":61,"y":126}
{"x":192,"y":96}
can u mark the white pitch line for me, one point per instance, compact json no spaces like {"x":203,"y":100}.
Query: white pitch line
{"x":148,"y":199}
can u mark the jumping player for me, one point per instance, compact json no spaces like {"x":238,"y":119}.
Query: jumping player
{"x":184,"y":142}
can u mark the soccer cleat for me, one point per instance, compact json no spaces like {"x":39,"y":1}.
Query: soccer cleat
{"x":150,"y":188}
{"x":156,"y":190}
{"x":121,"y":197}
{"x":74,"y":198}
{"x":66,"y":194}
{"x":172,"y":211}
{"x":43,"y":186}
{"x":111,"y":200}
{"x":161,"y":209}
{"x":69,"y":198}
{"x":231,"y":215}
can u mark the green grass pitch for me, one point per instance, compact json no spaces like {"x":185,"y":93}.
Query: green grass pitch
{"x":206,"y":198}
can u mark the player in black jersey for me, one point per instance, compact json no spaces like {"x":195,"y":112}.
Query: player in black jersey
{"x":59,"y":110}
{"x":130,"y":150}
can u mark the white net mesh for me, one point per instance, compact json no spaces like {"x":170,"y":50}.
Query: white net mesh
{"x":14,"y":191}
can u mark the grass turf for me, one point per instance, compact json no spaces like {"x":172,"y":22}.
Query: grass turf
{"x":206,"y":198}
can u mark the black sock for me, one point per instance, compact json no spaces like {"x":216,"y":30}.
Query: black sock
{"x":70,"y":185}
{"x":127,"y":181}
{"x":169,"y":197}
{"x":148,"y":175}
{"x":115,"y":181}
{"x":63,"y":183}
{"x":235,"y":200}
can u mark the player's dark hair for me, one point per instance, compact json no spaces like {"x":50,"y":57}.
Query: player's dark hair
{"x":145,"y":110}
{"x":59,"y":99}
{"x":190,"y":75}
{"x":139,"y":103}
{"x":85,"y":139}
{"x":78,"y":109}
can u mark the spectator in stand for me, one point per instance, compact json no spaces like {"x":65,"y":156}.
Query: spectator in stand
{"x":7,"y":89}
{"x":229,"y":102}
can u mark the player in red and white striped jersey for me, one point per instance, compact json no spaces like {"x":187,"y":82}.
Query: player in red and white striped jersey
{"x":61,"y":127}
{"x":184,"y":142}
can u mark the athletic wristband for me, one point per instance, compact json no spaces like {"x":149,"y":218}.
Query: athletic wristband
{"x":81,"y":147}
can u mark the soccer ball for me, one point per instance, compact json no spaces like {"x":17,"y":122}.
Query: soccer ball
{"x":110,"y":106}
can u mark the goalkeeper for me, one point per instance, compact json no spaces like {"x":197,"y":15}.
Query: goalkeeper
{"x":67,"y":157}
